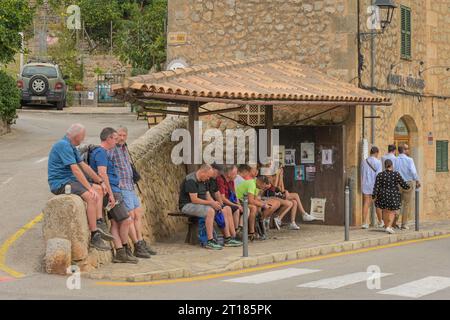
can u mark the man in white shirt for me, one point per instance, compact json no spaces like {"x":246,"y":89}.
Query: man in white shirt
{"x":405,"y":166}
{"x":370,"y":167}
{"x":390,"y":155}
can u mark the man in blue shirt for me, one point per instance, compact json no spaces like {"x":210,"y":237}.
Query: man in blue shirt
{"x":118,"y":214}
{"x":65,"y":167}
{"x":370,"y":168}
{"x":405,"y":166}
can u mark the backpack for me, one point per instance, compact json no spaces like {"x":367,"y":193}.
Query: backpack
{"x":86,"y":150}
{"x":259,"y":227}
{"x":202,"y":235}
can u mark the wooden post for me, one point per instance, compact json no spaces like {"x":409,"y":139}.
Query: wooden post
{"x":269,"y":127}
{"x":193,"y":117}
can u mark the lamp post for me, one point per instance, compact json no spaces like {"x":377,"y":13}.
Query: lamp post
{"x":384,"y":12}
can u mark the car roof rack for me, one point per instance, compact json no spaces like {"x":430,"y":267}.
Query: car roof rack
{"x":41,"y":60}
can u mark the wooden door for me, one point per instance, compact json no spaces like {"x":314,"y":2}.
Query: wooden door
{"x":329,"y":179}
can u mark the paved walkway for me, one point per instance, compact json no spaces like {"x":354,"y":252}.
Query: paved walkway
{"x":177,"y":260}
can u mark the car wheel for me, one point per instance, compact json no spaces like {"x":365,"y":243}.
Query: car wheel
{"x":39,"y":85}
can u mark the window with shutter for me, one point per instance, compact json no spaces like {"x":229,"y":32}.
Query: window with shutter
{"x":405,"y":23}
{"x":441,"y":156}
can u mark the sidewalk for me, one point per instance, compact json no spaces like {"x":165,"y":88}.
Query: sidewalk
{"x":177,"y":260}
{"x":79,"y":110}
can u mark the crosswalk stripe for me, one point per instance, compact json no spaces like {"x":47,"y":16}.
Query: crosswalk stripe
{"x":342,"y":281}
{"x":419,"y":288}
{"x":273,"y":276}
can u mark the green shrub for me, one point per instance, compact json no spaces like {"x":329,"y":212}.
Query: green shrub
{"x":9,"y":98}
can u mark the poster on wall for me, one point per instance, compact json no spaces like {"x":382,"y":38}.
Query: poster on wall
{"x":310,"y":174}
{"x":289,"y":157}
{"x":327,"y":156}
{"x":307,"y":152}
{"x":318,"y":208}
{"x":299,"y":173}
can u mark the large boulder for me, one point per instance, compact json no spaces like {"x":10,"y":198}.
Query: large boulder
{"x":57,"y":256}
{"x":65,"y":218}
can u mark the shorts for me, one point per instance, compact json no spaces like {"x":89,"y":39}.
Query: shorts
{"x":130,"y":199}
{"x":76,"y":188}
{"x":196,"y":210}
{"x":119,"y":213}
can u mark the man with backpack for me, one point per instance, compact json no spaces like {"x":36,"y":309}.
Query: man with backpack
{"x":66,"y":174}
{"x":118,"y":214}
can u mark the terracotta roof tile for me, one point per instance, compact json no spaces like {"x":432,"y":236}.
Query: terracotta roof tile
{"x":255,"y":78}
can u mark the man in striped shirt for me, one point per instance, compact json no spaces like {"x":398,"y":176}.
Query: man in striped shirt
{"x":121,"y":159}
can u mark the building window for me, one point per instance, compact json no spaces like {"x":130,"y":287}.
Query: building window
{"x":441,"y":156}
{"x":253,"y":115}
{"x":406,"y":32}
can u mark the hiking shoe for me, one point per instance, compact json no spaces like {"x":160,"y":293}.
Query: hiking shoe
{"x":148,"y":249}
{"x":232,"y":243}
{"x":121,"y":256}
{"x":308,"y":218}
{"x":140,"y":250}
{"x":277,"y":222}
{"x":98,"y":243}
{"x":293,"y":226}
{"x":102,"y":226}
{"x":128,"y":251}
{"x":213,"y":245}
{"x":105,"y":235}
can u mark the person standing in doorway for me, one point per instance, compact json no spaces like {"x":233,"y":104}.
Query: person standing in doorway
{"x":370,"y":167}
{"x":386,"y":193}
{"x":407,"y":169}
{"x":390,"y":155}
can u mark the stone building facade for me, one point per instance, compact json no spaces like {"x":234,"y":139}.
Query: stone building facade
{"x":323,"y":34}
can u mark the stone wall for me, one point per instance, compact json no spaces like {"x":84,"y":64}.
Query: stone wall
{"x":161,"y":179}
{"x":318,"y":33}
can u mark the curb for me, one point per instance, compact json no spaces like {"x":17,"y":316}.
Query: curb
{"x":250,"y":262}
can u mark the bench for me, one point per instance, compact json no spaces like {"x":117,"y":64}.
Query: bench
{"x":192,"y":233}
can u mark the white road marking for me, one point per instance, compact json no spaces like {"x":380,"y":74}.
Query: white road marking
{"x":419,"y":288}
{"x":272,"y":276}
{"x":41,"y":160}
{"x":7,"y":181}
{"x":342,"y":281}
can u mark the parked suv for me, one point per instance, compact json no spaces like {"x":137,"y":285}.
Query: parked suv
{"x":42,"y":83}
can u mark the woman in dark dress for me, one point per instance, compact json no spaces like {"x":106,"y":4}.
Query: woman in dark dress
{"x":386,"y":193}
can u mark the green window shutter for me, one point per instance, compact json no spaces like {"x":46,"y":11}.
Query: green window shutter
{"x":405,"y":24}
{"x":441,"y":156}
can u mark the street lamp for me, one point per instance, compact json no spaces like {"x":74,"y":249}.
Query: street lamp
{"x":387,"y":6}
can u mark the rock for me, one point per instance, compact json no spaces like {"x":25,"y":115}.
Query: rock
{"x":65,"y":218}
{"x":58,"y":256}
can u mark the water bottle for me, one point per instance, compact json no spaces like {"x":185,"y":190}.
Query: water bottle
{"x":68,"y":189}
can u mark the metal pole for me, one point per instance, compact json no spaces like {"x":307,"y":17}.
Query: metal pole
{"x":245,"y":231}
{"x":347,"y":213}
{"x":372,"y":108}
{"x":417,"y":209}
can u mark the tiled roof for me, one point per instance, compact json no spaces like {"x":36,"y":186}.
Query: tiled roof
{"x":257,"y":79}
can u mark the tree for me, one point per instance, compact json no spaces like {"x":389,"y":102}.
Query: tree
{"x":15,"y":17}
{"x":142,"y":39}
{"x":9,"y":98}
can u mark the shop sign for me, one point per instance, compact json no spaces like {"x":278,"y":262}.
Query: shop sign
{"x":177,"y":38}
{"x":406,"y":82}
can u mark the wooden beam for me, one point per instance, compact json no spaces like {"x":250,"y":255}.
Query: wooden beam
{"x":206,"y":113}
{"x":193,"y":117}
{"x":269,"y":126}
{"x":188,"y":99}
